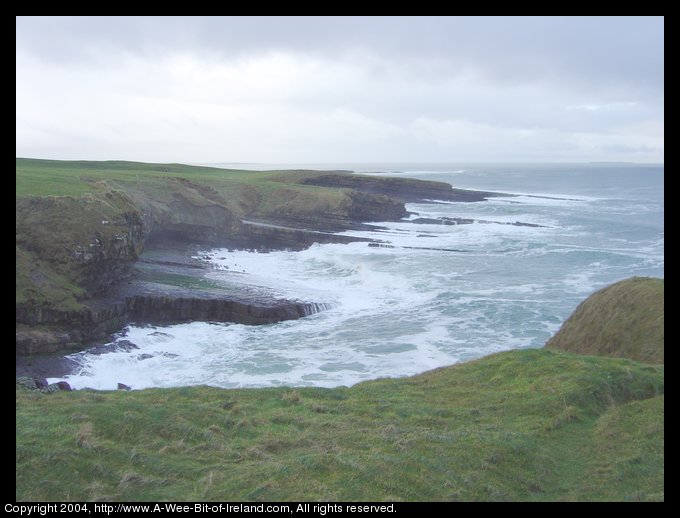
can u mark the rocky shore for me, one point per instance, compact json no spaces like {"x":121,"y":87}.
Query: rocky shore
{"x":89,"y":265}
{"x":166,"y":285}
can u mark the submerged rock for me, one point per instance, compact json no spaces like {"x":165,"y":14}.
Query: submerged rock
{"x":160,"y":334}
{"x":467,"y":221}
{"x":126,"y":345}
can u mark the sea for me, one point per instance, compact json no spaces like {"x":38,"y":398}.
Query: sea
{"x":436,"y":295}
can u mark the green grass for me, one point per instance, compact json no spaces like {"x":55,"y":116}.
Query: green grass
{"x":624,"y":320}
{"x":522,"y":425}
{"x":628,"y":452}
{"x":35,"y":177}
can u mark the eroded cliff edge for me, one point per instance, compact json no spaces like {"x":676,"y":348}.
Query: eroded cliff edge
{"x":81,"y":227}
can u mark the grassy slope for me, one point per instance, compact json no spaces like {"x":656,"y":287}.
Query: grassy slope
{"x":521,"y":425}
{"x":624,"y":320}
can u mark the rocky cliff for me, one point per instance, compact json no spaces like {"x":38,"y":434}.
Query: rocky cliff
{"x":74,"y":252}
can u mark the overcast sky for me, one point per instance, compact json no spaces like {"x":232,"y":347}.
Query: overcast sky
{"x":296,"y":90}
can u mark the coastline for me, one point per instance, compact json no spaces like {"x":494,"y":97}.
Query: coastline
{"x":108,"y":277}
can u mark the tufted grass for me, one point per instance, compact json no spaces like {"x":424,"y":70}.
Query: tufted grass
{"x":528,"y":425}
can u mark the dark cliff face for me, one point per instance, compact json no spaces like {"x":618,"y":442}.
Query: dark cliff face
{"x":402,"y":189}
{"x":111,"y":257}
{"x":158,"y":310}
{"x":47,"y":331}
{"x":364,"y":206}
{"x":351,"y":210}
{"x":195,"y":224}
{"x":195,"y":213}
{"x":264,"y":238}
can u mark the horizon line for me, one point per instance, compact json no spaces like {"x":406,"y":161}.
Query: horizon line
{"x":402,"y":162}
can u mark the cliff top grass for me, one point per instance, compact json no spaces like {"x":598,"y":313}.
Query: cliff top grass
{"x":38,"y":177}
{"x":530,"y":425}
{"x":624,"y":320}
{"x":265,"y":195}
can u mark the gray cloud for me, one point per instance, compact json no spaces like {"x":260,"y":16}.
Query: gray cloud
{"x":341,"y":89}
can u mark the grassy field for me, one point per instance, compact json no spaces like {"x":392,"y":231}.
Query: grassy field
{"x":522,"y":425}
{"x":624,"y":320}
{"x":36,"y":177}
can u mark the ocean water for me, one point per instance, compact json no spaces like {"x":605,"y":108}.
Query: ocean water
{"x":440,"y":295}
